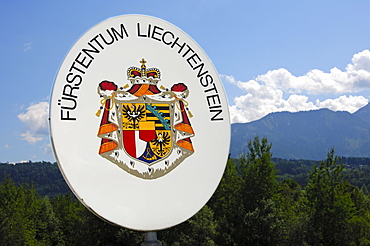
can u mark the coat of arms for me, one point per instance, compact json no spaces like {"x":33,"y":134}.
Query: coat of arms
{"x":145,"y":130}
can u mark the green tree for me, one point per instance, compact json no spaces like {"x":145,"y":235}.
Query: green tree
{"x":198,"y":230}
{"x":226,"y":204}
{"x":81,"y":227}
{"x":259,"y":174}
{"x":70,"y":214}
{"x":48,"y":230}
{"x":12,"y":222}
{"x":263,"y":224}
{"x":360,"y":223}
{"x":330,"y":204}
{"x":261,"y":219}
{"x":294,"y":217}
{"x":26,"y":218}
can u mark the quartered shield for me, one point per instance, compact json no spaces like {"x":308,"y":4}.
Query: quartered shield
{"x":146,"y":131}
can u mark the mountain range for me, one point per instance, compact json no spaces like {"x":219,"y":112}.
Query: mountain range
{"x":307,"y":134}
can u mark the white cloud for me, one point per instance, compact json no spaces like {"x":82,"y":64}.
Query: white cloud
{"x":252,"y":107}
{"x":279,"y":90}
{"x":36,"y":121}
{"x":27,"y":47}
{"x":355,"y":78}
{"x":31,"y":138}
{"x":344,"y":103}
{"x":7,"y":146}
{"x":46,"y":149}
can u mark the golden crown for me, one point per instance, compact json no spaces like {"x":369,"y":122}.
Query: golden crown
{"x":143,"y":75}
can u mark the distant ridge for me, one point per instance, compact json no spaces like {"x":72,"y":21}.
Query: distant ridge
{"x":363,"y":113}
{"x":308,"y":134}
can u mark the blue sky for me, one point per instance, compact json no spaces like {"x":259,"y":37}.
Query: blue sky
{"x":271,"y":55}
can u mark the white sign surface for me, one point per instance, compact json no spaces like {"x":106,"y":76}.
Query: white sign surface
{"x":139,"y":123}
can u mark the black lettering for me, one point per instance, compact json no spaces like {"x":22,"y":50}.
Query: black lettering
{"x":95,"y":39}
{"x":165,"y":34}
{"x":67,"y":117}
{"x":82,"y":62}
{"x":191,"y":58}
{"x":70,"y":93}
{"x":208,"y":79}
{"x":177,"y":44}
{"x":213,"y":100}
{"x":189,"y":49}
{"x":212,"y":89}
{"x":72,"y":80}
{"x":217,"y":113}
{"x":201,"y":82}
{"x":111,"y":37}
{"x":86,"y":51}
{"x":138,"y":31}
{"x":115,"y":32}
{"x":201,"y":66}
{"x":155,"y":33}
{"x":73,"y":67}
{"x":69,"y":99}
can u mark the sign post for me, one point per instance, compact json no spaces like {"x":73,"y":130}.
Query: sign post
{"x":151,"y":239}
{"x":139,"y":123}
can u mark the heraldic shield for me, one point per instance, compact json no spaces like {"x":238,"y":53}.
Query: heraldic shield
{"x":145,"y":130}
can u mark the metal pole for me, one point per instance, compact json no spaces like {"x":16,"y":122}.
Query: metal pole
{"x":151,"y":239}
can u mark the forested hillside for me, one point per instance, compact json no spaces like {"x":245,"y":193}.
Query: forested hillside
{"x":48,"y":180}
{"x":305,"y":203}
{"x":308,"y":134}
{"x":45,"y":176}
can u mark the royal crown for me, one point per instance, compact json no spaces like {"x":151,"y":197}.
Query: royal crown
{"x":143,"y":75}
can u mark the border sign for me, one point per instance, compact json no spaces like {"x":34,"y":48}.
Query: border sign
{"x":139,"y":123}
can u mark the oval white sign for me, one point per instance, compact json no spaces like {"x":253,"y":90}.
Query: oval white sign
{"x":139,"y":123}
